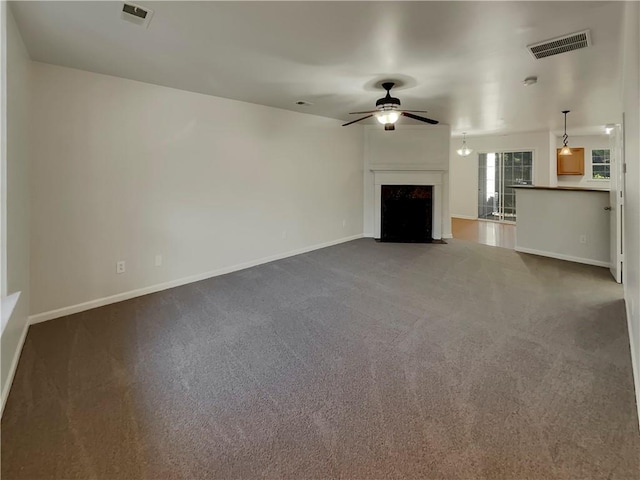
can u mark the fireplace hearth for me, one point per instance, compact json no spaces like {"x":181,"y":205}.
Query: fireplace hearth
{"x":406,"y":213}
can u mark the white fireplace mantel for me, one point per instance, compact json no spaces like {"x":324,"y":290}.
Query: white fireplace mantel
{"x":403,"y":168}
{"x":413,"y":176}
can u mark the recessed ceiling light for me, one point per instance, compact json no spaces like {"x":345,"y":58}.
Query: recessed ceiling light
{"x":304,"y":103}
{"x":530,"y":81}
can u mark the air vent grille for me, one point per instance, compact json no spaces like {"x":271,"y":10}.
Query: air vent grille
{"x":559,"y":45}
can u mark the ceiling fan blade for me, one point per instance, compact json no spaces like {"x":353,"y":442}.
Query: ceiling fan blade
{"x":421,"y":119}
{"x":413,"y":111}
{"x":357,"y":113}
{"x":363,"y":118}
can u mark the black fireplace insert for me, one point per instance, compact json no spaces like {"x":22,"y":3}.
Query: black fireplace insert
{"x":406,"y":213}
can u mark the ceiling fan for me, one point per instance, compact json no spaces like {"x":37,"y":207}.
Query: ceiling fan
{"x":387,"y":111}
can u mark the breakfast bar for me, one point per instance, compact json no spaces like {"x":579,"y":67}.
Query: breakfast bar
{"x":568,"y":223}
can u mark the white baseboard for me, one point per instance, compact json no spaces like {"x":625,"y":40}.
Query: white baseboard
{"x":14,"y":366}
{"x":464,"y":217}
{"x":99,"y":302}
{"x":444,"y":235}
{"x":635,"y":368}
{"x":561,"y":256}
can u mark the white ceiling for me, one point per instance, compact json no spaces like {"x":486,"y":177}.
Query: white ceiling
{"x":464,"y":62}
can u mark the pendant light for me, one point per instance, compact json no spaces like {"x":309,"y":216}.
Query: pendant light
{"x":464,"y":151}
{"x":565,"y":149}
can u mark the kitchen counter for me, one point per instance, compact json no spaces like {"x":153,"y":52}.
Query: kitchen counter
{"x":570,"y":189}
{"x":569,"y":223}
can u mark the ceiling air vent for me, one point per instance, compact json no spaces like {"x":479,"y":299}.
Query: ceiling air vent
{"x":136,"y":14}
{"x":563,"y":44}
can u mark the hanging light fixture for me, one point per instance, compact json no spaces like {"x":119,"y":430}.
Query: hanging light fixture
{"x":565,"y":149}
{"x":464,"y":151}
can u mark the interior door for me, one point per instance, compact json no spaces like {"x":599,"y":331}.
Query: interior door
{"x":616,"y":201}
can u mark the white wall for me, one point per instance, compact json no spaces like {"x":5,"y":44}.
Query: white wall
{"x":408,"y":148}
{"x":124,"y":170}
{"x":464,"y":170}
{"x":589,"y":143}
{"x":550,"y":223}
{"x":15,"y":223}
{"x":631,"y":228}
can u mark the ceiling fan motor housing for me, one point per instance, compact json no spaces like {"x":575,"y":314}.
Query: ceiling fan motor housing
{"x":388,"y":102}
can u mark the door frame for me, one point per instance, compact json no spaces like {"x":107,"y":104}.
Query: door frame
{"x":616,"y":201}
{"x":500,"y":152}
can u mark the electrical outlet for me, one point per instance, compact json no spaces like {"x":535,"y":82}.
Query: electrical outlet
{"x":120,"y":266}
{"x":344,"y":223}
{"x":284,"y":234}
{"x":158,"y":260}
{"x":583,"y":238}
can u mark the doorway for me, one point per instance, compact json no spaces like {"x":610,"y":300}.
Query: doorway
{"x":498,"y":172}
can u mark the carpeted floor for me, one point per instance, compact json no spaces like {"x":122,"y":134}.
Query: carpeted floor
{"x":364,"y":360}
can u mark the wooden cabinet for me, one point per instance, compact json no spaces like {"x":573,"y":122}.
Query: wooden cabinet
{"x":571,"y":164}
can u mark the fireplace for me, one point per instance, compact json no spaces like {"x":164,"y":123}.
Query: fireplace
{"x":395,"y":177}
{"x":406,"y":213}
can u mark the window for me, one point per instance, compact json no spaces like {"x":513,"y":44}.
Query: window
{"x":600,"y":164}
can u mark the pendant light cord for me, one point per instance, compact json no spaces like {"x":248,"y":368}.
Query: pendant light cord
{"x":565,"y":137}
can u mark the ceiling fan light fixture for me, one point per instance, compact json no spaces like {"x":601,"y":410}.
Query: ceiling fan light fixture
{"x":387,"y":116}
{"x":464,"y":151}
{"x":565,"y":138}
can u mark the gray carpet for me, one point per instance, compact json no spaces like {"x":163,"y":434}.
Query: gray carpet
{"x":363,"y":360}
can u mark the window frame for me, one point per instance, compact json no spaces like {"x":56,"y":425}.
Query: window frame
{"x":592,"y":164}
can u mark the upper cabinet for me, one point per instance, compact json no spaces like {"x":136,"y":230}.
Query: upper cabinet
{"x":571,"y":164}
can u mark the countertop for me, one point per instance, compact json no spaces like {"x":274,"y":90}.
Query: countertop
{"x":576,"y":189}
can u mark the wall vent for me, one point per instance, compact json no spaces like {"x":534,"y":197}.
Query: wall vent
{"x":555,"y":46}
{"x":136,"y":14}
